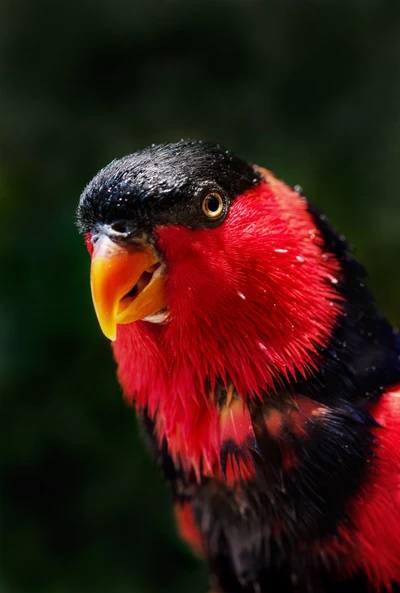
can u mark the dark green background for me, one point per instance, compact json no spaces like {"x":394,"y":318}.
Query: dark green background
{"x":309,"y":89}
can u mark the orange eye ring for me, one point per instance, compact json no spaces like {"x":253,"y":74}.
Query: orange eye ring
{"x":213,"y":205}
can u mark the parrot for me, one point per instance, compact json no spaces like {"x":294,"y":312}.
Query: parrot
{"x":265,"y":379}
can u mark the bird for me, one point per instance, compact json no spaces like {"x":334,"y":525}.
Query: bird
{"x":265,"y":379}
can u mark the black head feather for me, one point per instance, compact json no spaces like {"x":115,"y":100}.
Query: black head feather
{"x":163,"y":184}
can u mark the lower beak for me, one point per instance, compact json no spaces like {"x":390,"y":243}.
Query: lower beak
{"x":127,"y":284}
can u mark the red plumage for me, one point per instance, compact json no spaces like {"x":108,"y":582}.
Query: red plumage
{"x":188,"y":528}
{"x":239,"y":301}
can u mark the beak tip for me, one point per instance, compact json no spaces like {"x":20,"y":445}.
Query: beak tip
{"x":107,"y":322}
{"x":110,"y":331}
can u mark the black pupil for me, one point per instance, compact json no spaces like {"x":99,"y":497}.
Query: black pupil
{"x":212,"y":203}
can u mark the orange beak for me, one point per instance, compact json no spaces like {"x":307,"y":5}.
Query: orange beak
{"x":127,"y":284}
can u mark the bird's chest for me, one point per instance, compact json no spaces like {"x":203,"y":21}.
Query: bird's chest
{"x":210,"y":435}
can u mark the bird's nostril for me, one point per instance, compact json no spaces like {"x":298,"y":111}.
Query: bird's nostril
{"x":120,"y":227}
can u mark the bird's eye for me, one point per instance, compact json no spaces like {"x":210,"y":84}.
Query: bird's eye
{"x":213,"y":205}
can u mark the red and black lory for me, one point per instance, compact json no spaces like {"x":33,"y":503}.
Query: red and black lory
{"x":266,"y":379}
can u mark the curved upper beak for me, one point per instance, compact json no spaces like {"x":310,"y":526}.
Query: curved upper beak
{"x":126,"y":282}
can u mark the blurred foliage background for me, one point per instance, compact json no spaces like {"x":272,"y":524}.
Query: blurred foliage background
{"x":307,"y":88}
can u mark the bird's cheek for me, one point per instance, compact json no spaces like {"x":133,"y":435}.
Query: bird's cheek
{"x":199,"y":273}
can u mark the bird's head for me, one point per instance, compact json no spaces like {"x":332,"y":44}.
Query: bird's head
{"x":212,"y":257}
